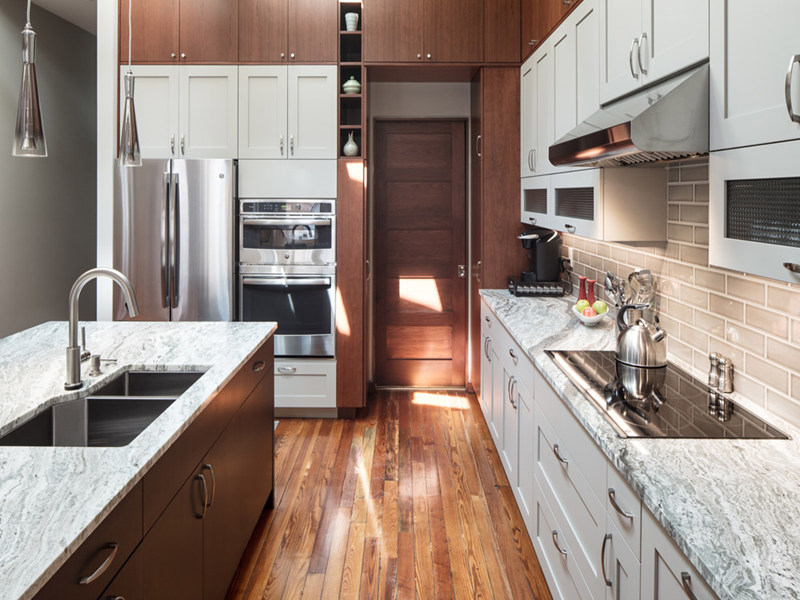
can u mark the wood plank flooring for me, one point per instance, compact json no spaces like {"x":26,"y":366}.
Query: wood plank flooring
{"x":409,"y":500}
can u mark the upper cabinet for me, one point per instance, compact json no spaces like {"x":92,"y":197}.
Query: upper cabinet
{"x":442,"y":31}
{"x":180,"y":31}
{"x":643,"y":41}
{"x":755,"y":79}
{"x":186,"y":112}
{"x":539,"y":17}
{"x":287,"y":112}
{"x":274,"y":31}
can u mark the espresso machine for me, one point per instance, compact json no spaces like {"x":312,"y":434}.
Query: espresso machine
{"x":543,"y":277}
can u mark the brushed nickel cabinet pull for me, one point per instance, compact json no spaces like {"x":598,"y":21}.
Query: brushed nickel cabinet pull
{"x":788,"y":91}
{"x":642,"y":39}
{"x":557,"y":545}
{"x":259,"y":366}
{"x":612,"y":496}
{"x":210,"y":469}
{"x":793,"y":267}
{"x":606,"y":539}
{"x":635,"y":42}
{"x":686,"y":579}
{"x":103,"y":567}
{"x":560,"y":458}
{"x":205,"y":496}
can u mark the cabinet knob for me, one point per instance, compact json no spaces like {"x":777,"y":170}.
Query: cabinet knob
{"x":532,"y":42}
{"x":173,"y":55}
{"x":428,"y":55}
{"x":569,"y":228}
{"x":183,"y":55}
{"x":419,"y":55}
{"x":291,"y":55}
{"x":283,"y":54}
{"x":793,"y":267}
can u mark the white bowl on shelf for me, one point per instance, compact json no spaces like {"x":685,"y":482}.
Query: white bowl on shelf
{"x":589,"y":321}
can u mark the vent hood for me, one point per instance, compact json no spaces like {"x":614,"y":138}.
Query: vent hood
{"x":666,"y":121}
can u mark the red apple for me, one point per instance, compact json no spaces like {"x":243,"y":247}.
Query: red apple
{"x":589,"y":312}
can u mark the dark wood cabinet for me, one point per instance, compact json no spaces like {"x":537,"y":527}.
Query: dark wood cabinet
{"x":539,"y":18}
{"x":393,"y":31}
{"x":351,"y":267}
{"x":299,"y":31}
{"x":129,"y":582}
{"x":501,"y":31}
{"x":495,"y":142}
{"x":454,"y":31}
{"x":180,"y":31}
{"x":528,"y":39}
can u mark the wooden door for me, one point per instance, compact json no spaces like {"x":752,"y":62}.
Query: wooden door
{"x":262,"y":31}
{"x":313,"y":26}
{"x":502,"y":31}
{"x":393,"y":30}
{"x":420,"y":303}
{"x":155,"y":28}
{"x":454,"y":31}
{"x":209,"y":31}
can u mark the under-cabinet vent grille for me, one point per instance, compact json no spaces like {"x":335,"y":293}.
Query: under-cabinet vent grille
{"x":577,"y":203}
{"x":536,"y":201}
{"x":764,"y":210}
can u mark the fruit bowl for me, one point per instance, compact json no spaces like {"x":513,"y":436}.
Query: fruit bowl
{"x":589,"y":321}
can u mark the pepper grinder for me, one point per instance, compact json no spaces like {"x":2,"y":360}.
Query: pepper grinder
{"x":713,"y":372}
{"x":725,"y":375}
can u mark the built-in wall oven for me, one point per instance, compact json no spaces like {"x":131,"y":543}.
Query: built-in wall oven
{"x":287,"y":272}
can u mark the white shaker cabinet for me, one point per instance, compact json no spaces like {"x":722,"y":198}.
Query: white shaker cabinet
{"x":666,"y":573}
{"x":754,"y":78}
{"x":185,"y":111}
{"x":287,"y":112}
{"x":643,"y":41}
{"x":528,"y":117}
{"x":536,"y":122}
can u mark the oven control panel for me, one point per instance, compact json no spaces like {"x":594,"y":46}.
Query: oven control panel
{"x":286,"y":207}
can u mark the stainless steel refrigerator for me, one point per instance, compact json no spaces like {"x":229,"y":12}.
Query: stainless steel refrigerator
{"x":174,"y":238}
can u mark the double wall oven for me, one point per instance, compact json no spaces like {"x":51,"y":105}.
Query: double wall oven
{"x":287,"y":272}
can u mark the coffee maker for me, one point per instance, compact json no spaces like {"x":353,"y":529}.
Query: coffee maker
{"x":543,"y":277}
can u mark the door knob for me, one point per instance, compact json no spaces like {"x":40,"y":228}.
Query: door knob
{"x":462,"y":270}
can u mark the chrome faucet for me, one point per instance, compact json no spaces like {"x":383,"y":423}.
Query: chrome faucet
{"x":73,"y":349}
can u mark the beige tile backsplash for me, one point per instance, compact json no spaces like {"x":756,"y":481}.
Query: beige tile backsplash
{"x":753,"y":320}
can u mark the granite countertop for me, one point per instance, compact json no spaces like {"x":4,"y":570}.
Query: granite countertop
{"x":732,"y":506}
{"x":51,"y":499}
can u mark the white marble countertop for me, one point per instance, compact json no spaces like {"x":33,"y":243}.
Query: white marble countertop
{"x":732,"y":506}
{"x":51,"y":499}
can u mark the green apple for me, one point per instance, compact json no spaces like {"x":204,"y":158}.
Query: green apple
{"x":599,"y":307}
{"x":581,"y":305}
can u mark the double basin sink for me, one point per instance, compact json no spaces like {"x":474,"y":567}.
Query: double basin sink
{"x":112,"y":416}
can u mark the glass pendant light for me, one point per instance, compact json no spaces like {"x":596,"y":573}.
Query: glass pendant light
{"x":129,"y":154}
{"x":29,"y":135}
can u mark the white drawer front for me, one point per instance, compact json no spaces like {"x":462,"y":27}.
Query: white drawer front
{"x":624,"y":509}
{"x":305,"y":383}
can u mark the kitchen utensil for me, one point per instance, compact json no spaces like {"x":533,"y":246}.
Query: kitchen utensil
{"x":616,"y":288}
{"x":642,"y":287}
{"x":640,"y":344}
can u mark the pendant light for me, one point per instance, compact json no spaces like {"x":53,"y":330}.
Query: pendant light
{"x":129,"y":154}
{"x":29,"y":135}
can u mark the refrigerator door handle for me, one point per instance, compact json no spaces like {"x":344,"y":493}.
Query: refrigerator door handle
{"x":165,"y":199}
{"x":174,"y":242}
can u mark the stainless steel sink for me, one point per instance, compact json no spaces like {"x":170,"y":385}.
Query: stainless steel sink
{"x":112,"y":416}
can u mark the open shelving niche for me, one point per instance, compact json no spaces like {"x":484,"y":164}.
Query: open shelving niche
{"x":352,"y":107}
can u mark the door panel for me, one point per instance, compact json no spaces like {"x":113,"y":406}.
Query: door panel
{"x":209,"y":31}
{"x":420,"y":231}
{"x":262,"y":30}
{"x":454,"y":30}
{"x":312,"y":112}
{"x":395,"y":31}
{"x":501,"y":32}
{"x":155,"y":93}
{"x":620,"y":22}
{"x":263,"y":121}
{"x":313,"y":30}
{"x":678,"y":35}
{"x":208,"y":112}
{"x":155,"y":27}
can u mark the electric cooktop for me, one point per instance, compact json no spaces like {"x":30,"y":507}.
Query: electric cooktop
{"x":664,"y":402}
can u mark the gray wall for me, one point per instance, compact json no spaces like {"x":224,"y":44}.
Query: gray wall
{"x":47,"y":205}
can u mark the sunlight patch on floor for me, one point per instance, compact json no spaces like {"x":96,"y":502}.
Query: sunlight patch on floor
{"x":440,"y":400}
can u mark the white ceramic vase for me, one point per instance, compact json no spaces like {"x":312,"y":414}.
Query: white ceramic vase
{"x":351,"y":86}
{"x":351,"y":21}
{"x":350,"y":146}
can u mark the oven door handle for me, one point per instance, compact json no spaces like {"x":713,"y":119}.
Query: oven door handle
{"x":286,"y":282}
{"x":290,"y":221}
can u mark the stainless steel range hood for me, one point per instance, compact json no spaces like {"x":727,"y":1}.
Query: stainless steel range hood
{"x":666,"y":121}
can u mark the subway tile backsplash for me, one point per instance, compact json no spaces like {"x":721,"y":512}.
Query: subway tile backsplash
{"x":753,"y":320}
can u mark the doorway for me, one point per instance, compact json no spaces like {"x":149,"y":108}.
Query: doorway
{"x":420,"y":251}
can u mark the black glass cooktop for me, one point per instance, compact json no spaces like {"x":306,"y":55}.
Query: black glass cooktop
{"x":664,"y":402}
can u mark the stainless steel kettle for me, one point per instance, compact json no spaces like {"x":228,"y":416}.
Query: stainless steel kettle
{"x":640,"y":344}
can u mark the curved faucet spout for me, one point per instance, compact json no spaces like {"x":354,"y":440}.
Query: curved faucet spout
{"x":73,"y":350}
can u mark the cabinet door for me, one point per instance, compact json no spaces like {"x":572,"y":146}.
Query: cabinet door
{"x":313,"y":30}
{"x":526,"y":456}
{"x":486,"y":377}
{"x":155,"y":27}
{"x":577,"y":202}
{"x":129,"y":582}
{"x":619,"y":567}
{"x":255,"y":423}
{"x":528,"y":118}
{"x":172,"y":551}
{"x":565,"y":67}
{"x":498,"y":395}
{"x":263,"y":125}
{"x":676,"y":36}
{"x":666,"y":573}
{"x":501,"y":31}
{"x":536,"y":202}
{"x":453,"y":30}
{"x":587,"y":41}
{"x":155,"y":96}
{"x":545,"y":128}
{"x":262,"y":30}
{"x":395,"y":30}
{"x":620,"y":24}
{"x":209,"y":31}
{"x":312,"y":112}
{"x":528,"y":36}
{"x":509,"y":447}
{"x":208,"y":112}
{"x":750,"y":51}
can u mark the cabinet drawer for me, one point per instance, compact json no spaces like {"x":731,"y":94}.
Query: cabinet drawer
{"x":515,"y":358}
{"x":624,"y":509}
{"x":554,"y":545}
{"x":488,"y":320}
{"x":305,"y":384}
{"x":97,"y":554}
{"x":569,"y":494}
{"x":572,"y":438}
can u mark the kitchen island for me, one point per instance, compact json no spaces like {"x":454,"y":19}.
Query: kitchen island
{"x":53,"y":498}
{"x":730,"y":505}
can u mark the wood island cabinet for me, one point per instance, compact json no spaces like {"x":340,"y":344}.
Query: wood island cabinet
{"x":180,"y":31}
{"x":293,"y":31}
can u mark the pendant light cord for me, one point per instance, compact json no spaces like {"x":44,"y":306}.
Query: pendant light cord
{"x":130,"y":29}
{"x":29,"y":12}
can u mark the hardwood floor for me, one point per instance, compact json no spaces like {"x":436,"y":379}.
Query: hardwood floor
{"x":408,"y":500}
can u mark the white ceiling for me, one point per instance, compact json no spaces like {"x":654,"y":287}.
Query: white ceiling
{"x":82,"y":13}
